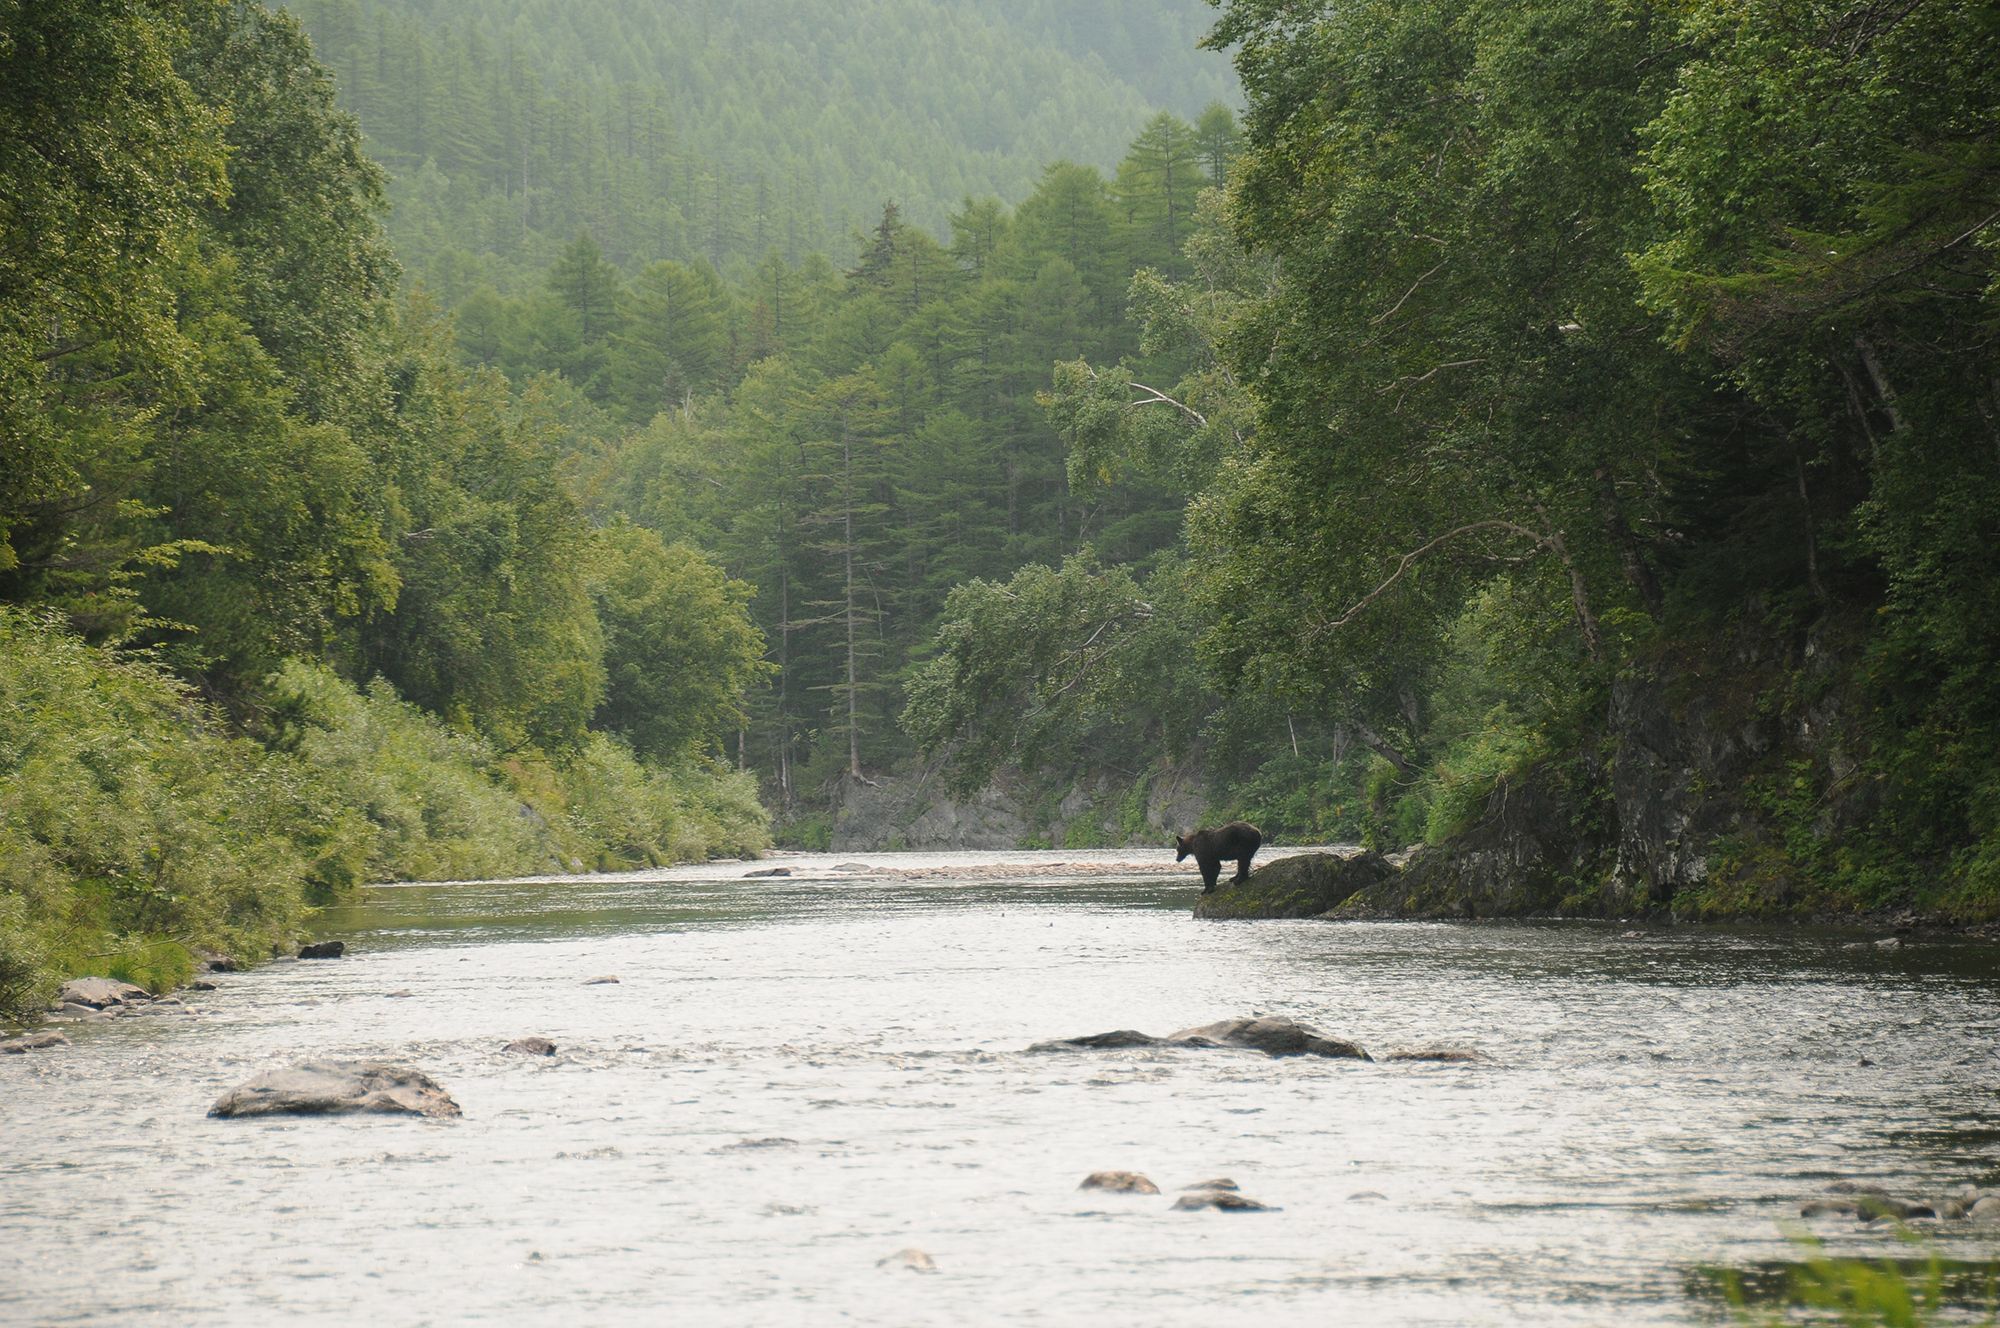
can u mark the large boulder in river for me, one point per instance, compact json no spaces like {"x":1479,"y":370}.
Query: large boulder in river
{"x":338,"y":1088}
{"x":1274,"y":1035}
{"x":1303,"y":886}
{"x":102,"y":993}
{"x":323,"y":950}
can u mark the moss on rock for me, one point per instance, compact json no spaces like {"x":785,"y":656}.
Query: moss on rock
{"x":1303,"y":886}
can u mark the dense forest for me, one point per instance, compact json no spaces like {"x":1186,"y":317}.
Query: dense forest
{"x":1565,"y":433}
{"x":725,"y":131}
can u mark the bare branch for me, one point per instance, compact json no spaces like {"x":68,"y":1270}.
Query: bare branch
{"x":1384,"y":317}
{"x":1409,"y":560}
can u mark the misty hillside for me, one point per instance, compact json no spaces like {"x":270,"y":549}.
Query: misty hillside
{"x":721,"y":129}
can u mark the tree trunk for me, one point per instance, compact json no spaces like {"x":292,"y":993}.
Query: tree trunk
{"x":847,"y":552}
{"x":1637,"y":570}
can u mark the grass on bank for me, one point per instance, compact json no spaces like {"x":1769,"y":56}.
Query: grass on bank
{"x":137,"y":828}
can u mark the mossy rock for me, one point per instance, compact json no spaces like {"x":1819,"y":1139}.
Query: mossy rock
{"x":1297,"y":887}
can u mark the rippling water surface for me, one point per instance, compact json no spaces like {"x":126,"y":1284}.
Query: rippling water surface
{"x":797,"y":1077}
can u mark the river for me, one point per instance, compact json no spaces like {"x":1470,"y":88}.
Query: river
{"x":795,"y":1078}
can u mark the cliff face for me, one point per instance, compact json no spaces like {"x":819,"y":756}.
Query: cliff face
{"x":1723,"y":779}
{"x":1105,"y":809}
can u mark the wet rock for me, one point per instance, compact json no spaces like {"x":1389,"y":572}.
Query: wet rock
{"x":1986,"y":1208}
{"x":1226,"y":1201}
{"x":1273,"y":1035}
{"x":1112,"y":1041}
{"x":852,"y":867}
{"x":768,"y":871}
{"x":102,"y":993}
{"x":213,"y":961}
{"x":1866,"y":1201}
{"x":1874,"y":1209}
{"x":600,"y":982}
{"x":771,"y":1141}
{"x":1119,"y":1182}
{"x":1888,"y":943}
{"x":1367,"y":1196}
{"x":1219,"y":1183}
{"x":400,"y":996}
{"x":200,"y":984}
{"x":1441,"y":1055}
{"x":1631,"y":935}
{"x":910,"y":1260}
{"x":32,"y":1042}
{"x":323,"y":950}
{"x":532,"y":1046}
{"x":1302,"y":886}
{"x":335,"y":1088}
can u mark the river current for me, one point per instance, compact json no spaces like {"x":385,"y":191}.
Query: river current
{"x":795,"y":1078}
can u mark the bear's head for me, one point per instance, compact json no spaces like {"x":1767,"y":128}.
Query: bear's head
{"x":1181,"y":847}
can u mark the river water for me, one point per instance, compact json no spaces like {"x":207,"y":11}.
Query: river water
{"x":796,"y":1078}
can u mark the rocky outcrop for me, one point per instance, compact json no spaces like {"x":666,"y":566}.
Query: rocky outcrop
{"x":1274,"y":1035}
{"x":1119,"y":1182}
{"x":338,"y":1088}
{"x":1303,"y":886}
{"x":1538,"y":848}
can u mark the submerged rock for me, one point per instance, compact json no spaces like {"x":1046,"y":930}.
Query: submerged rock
{"x":32,"y":1042}
{"x":600,"y":982}
{"x":910,"y":1260}
{"x":1273,"y":1035}
{"x":102,"y":993}
{"x":532,"y":1046}
{"x":1302,"y":886}
{"x":323,"y":950}
{"x":768,"y":871}
{"x":1441,"y":1055}
{"x":1119,"y":1182}
{"x":1116,"y":1039}
{"x":1219,"y":1183}
{"x":1226,"y":1201}
{"x":336,"y":1088}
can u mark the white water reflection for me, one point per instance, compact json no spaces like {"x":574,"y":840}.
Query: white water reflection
{"x":798,"y":1076}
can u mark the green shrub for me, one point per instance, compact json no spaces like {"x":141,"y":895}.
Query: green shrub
{"x":135,"y":829}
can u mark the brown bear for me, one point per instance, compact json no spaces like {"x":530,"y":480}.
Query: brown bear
{"x":1239,"y":840}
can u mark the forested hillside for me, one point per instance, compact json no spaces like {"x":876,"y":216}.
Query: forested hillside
{"x":725,"y":131}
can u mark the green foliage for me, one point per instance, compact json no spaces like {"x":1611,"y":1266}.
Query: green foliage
{"x":680,"y":650}
{"x":1861,"y":1293}
{"x":129,"y":824}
